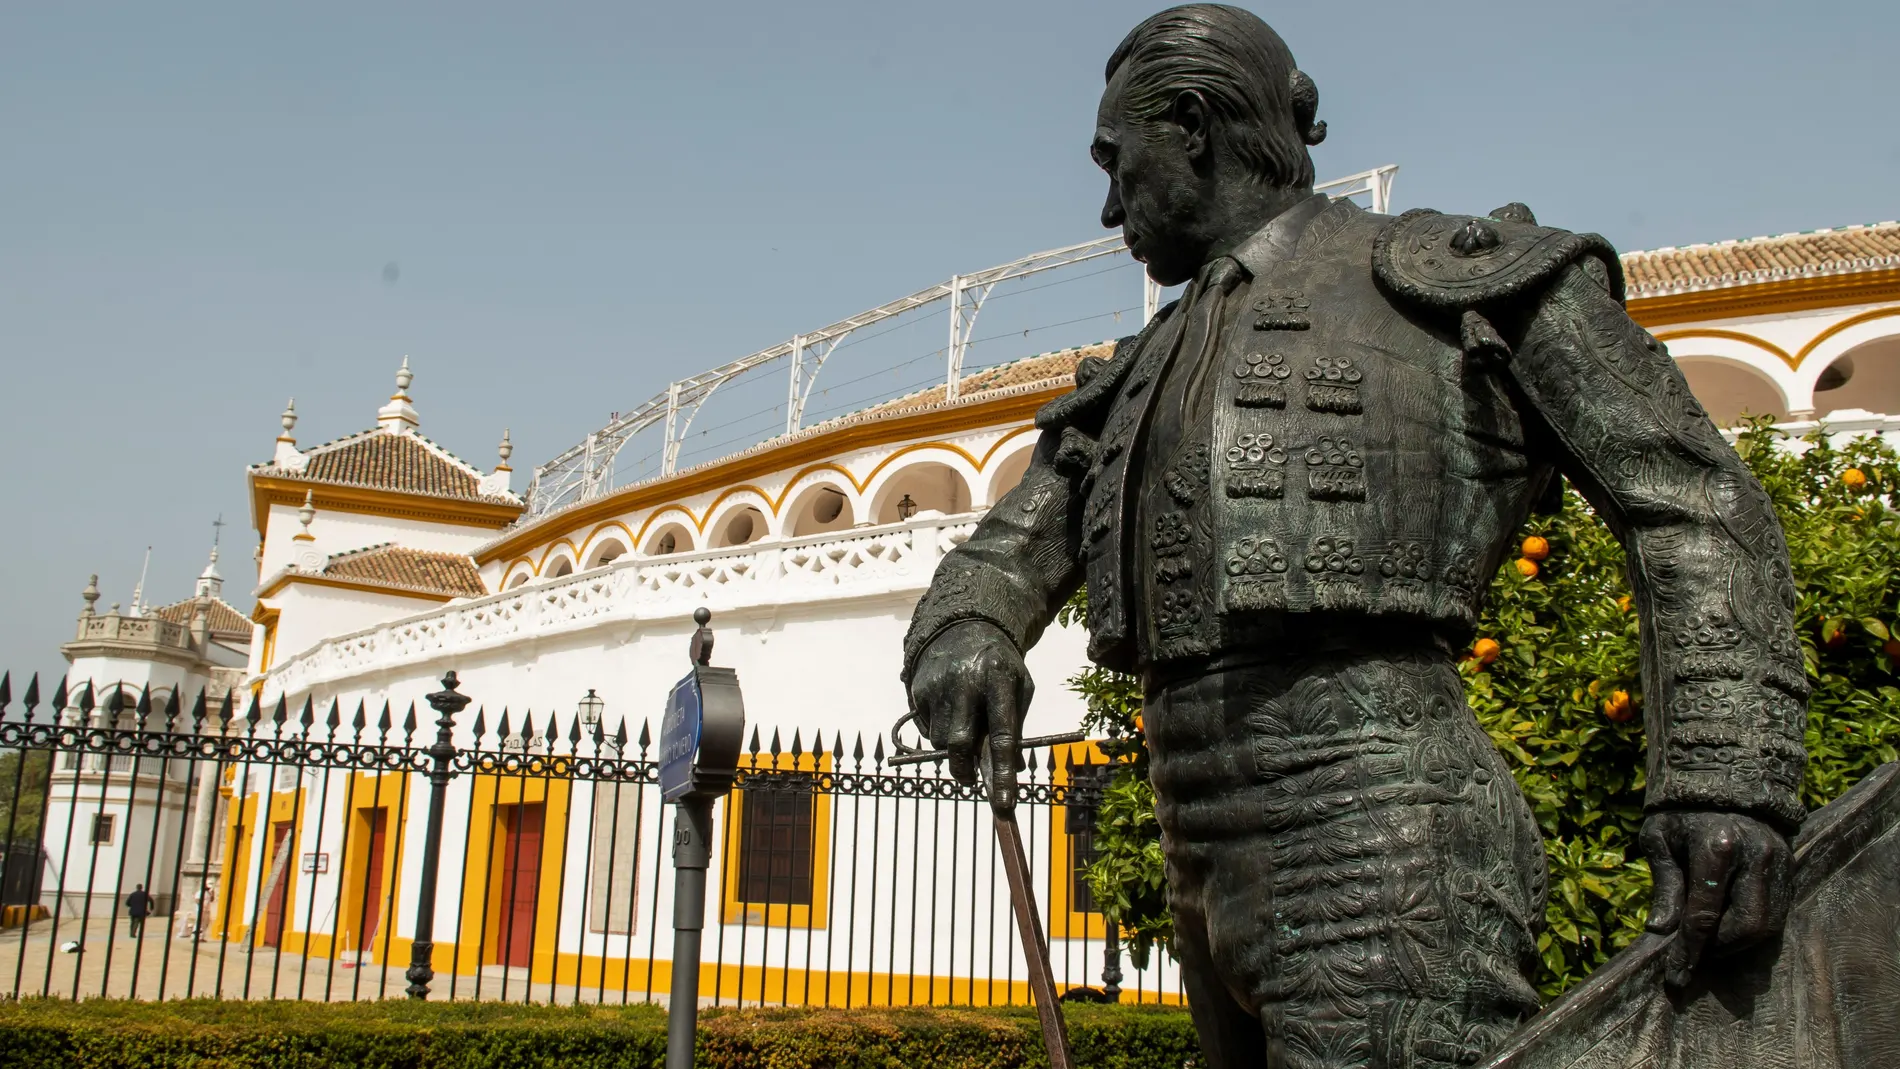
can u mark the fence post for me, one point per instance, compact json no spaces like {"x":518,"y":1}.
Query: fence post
{"x":446,"y":702}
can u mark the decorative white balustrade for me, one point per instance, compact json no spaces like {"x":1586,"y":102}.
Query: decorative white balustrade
{"x":849,"y":564}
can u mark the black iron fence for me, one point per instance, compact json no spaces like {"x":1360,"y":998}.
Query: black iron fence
{"x":160,"y":848}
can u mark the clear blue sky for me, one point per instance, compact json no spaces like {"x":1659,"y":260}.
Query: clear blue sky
{"x":198,"y":202}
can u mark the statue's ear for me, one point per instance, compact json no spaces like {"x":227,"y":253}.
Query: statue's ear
{"x":1190,"y":112}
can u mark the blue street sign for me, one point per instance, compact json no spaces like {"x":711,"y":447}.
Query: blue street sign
{"x":679,"y":738}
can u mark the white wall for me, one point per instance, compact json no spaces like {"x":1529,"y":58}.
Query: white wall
{"x":337,"y":532}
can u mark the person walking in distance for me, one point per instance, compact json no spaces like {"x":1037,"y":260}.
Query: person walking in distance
{"x":138,"y":906}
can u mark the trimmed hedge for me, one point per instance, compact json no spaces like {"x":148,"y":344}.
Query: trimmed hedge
{"x":205,"y":1034}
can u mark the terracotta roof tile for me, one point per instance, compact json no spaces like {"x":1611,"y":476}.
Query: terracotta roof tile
{"x":399,"y":567}
{"x":1690,"y":268}
{"x":1049,"y":369}
{"x":383,"y":460}
{"x":225,"y":621}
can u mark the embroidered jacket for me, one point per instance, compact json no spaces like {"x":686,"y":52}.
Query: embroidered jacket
{"x":1385,"y":402}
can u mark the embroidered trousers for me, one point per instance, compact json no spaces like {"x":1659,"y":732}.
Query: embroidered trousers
{"x":1356,"y":880}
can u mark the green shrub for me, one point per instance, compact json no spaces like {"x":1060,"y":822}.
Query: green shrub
{"x":398,"y":1034}
{"x":1567,"y":645}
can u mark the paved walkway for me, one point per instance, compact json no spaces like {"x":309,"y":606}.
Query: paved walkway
{"x":110,"y":963}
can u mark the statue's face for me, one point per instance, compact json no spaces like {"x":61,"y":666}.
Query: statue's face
{"x":1154,"y":194}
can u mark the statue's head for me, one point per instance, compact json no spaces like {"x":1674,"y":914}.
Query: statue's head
{"x":1204,"y":114}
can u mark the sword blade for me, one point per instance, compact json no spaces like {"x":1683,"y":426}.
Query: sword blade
{"x":1042,"y":981}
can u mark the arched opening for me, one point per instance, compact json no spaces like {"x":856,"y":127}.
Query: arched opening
{"x":608,"y":551}
{"x":1009,"y":471}
{"x":668,"y":539}
{"x":520,"y":579}
{"x":560,"y":568}
{"x":818,"y":509}
{"x":740,"y":526}
{"x":924,"y":487}
{"x":1729,"y":390}
{"x":1865,"y":377}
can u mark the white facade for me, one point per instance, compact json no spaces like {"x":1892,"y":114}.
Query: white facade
{"x":811,"y":551}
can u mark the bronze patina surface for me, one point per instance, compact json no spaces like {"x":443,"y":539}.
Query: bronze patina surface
{"x":1286,"y":498}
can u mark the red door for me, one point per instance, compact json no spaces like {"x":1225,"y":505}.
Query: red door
{"x":373,"y":878}
{"x":274,"y":906}
{"x":521,"y":859}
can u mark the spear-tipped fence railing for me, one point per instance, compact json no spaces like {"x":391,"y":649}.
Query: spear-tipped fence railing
{"x":160,"y":845}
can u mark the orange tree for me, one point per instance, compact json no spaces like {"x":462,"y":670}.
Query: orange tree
{"x":1553,"y":680}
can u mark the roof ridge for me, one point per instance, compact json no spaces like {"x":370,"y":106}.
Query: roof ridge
{"x":1787,"y":236}
{"x":350,"y":553}
{"x":442,"y":451}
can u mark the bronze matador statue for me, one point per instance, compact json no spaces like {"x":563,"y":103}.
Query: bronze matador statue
{"x":1287,"y":496}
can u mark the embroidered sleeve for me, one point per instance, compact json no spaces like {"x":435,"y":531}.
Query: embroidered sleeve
{"x":1722,"y":671}
{"x":1016,"y":570}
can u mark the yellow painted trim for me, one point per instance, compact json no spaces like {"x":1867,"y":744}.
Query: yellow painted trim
{"x":268,"y":617}
{"x":774,"y":506}
{"x":1065,"y":921}
{"x":734,"y":492}
{"x":482,"y":922}
{"x":269,"y":490}
{"x":1851,"y":321}
{"x":587,"y":544}
{"x":288,"y":578}
{"x":1735,"y":336}
{"x":957,"y":419}
{"x":816,"y":915}
{"x":1768,"y":298}
{"x":654,"y":517}
{"x":795,"y":987}
{"x":234,"y":903}
{"x":549,"y":552}
{"x":364,"y":793}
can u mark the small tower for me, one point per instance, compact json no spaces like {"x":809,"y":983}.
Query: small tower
{"x":210,"y":583}
{"x":399,"y":416}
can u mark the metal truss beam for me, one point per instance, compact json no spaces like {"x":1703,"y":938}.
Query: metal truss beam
{"x":585,"y":470}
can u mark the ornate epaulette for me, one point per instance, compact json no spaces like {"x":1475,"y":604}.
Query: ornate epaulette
{"x":1454,"y":263}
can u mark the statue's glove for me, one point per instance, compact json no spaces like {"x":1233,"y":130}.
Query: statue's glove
{"x":971,"y":684}
{"x":1720,"y":876}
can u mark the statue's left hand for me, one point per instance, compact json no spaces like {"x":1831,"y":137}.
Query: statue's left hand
{"x":1721,"y":878}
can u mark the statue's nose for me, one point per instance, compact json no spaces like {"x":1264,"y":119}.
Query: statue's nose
{"x":1112,"y":214}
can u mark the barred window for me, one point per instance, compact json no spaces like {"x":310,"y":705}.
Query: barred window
{"x":1086,"y":782}
{"x":775,"y":847}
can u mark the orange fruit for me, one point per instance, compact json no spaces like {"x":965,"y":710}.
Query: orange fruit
{"x":1526,"y":567}
{"x":1536,"y":547}
{"x":1836,"y":640}
{"x":1625,"y":603}
{"x":1138,"y":726}
{"x":1891,"y":648}
{"x":1617,"y":708}
{"x":1854,"y":478}
{"x":1485,"y":650}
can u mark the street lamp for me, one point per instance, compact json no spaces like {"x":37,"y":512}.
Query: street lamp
{"x":590,"y":708}
{"x":906,"y":508}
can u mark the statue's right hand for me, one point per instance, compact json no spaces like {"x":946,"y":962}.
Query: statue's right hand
{"x":971,"y":684}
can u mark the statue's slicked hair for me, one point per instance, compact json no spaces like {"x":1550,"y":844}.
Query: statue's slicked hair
{"x":1241,"y":68}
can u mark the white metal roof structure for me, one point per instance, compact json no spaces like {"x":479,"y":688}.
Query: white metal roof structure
{"x":585,"y":470}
